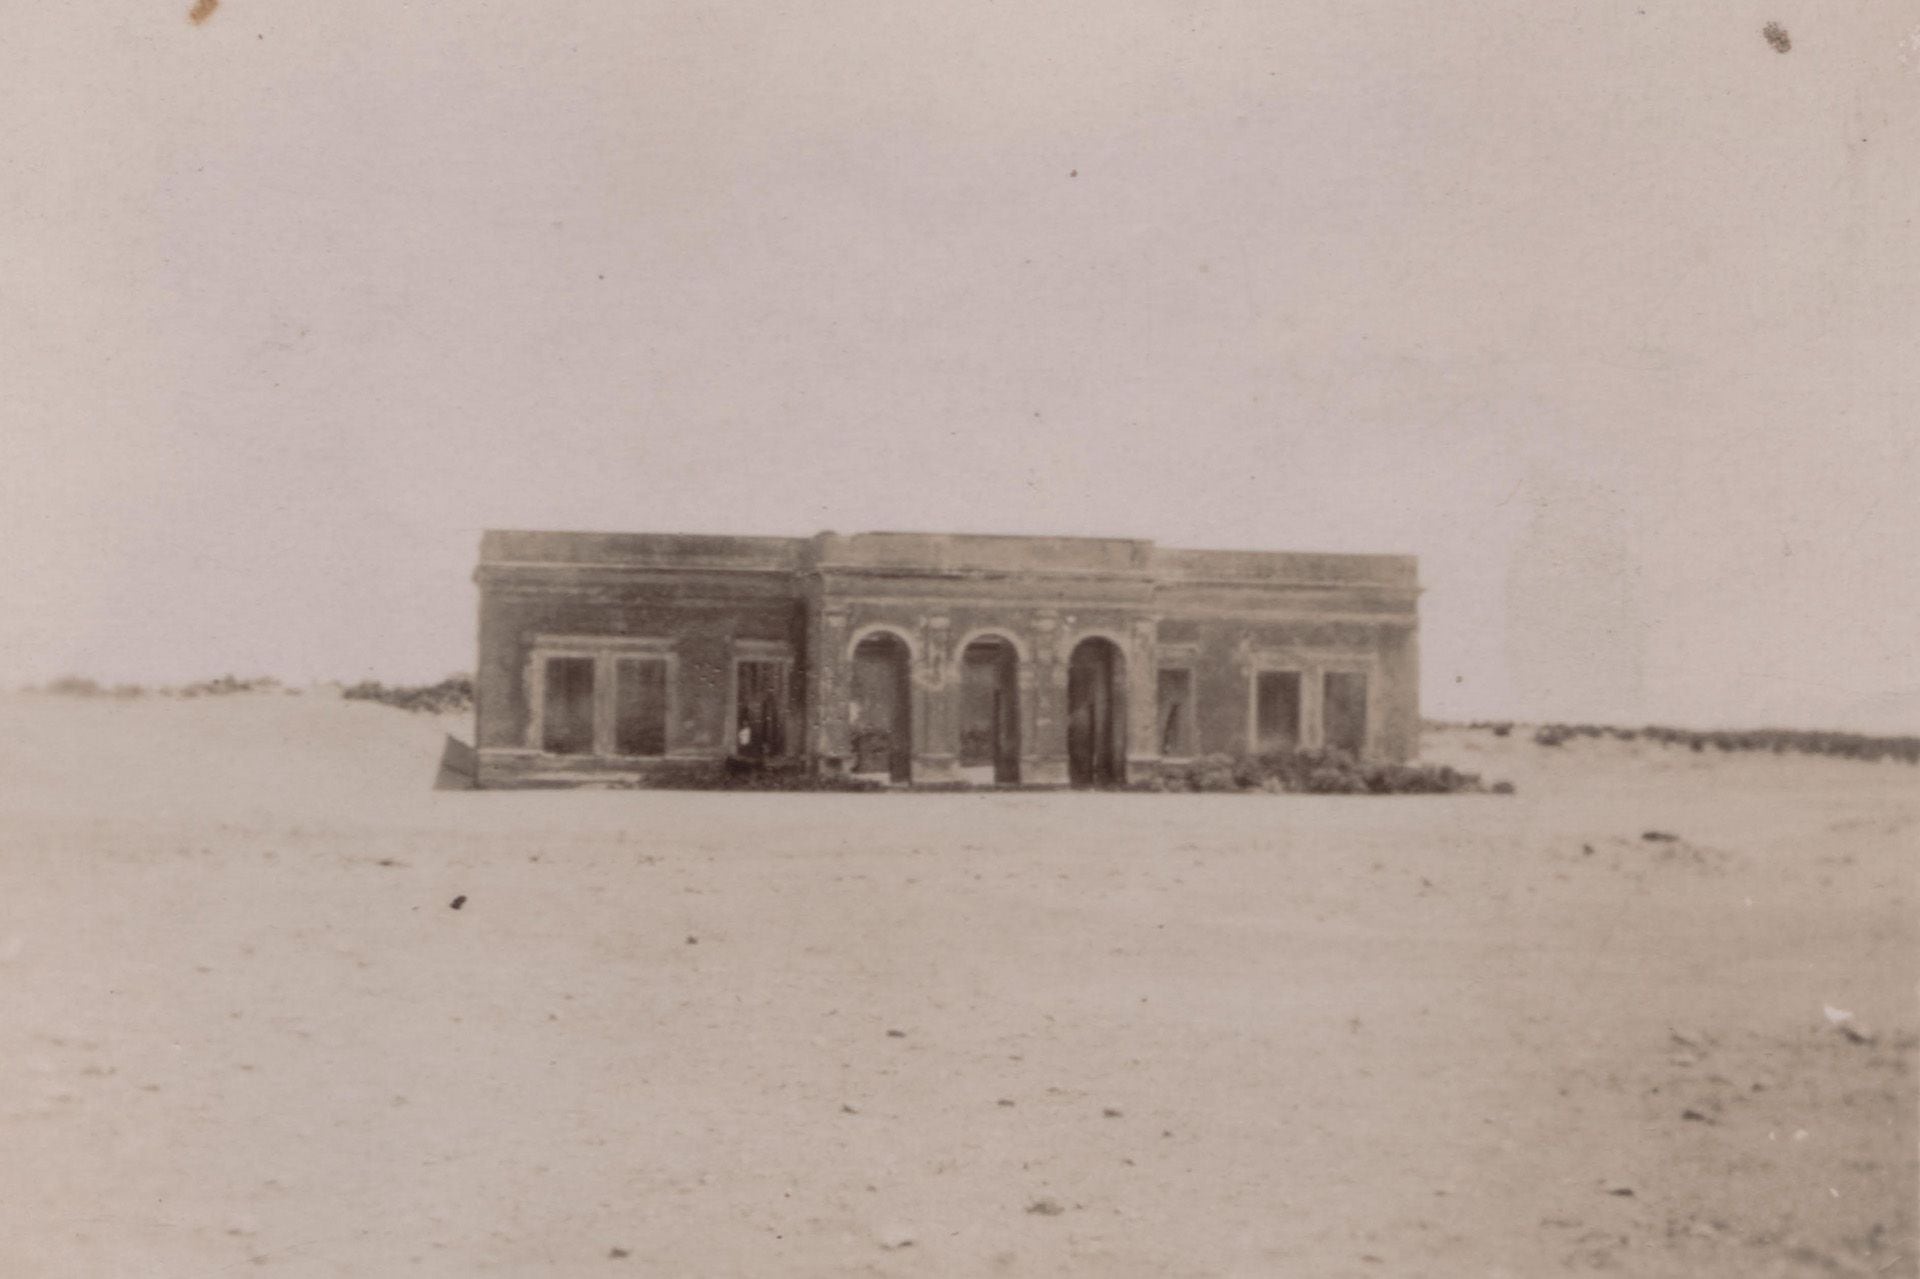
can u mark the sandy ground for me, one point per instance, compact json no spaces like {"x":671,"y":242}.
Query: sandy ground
{"x":243,"y":1031}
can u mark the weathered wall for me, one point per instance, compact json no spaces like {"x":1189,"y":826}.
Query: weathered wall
{"x":1228,"y":656}
{"x":1399,"y":724}
{"x":702,"y":633}
{"x":938,"y":618}
{"x":698,"y":617}
{"x":1222,"y":615}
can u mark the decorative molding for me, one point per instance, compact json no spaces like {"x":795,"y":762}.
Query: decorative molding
{"x":1022,"y":649}
{"x":1296,"y":657}
{"x":902,"y":633}
{"x":1113,"y":635}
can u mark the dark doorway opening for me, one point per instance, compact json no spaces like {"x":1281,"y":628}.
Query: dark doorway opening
{"x":566,"y":726}
{"x":1175,"y":717}
{"x":1276,"y":712}
{"x":640,"y":707}
{"x":760,"y":700}
{"x":990,"y":708}
{"x":1345,"y":715}
{"x":1096,"y":714}
{"x":882,"y":711}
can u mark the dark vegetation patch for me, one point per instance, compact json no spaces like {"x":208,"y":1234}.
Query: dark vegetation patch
{"x":1777,"y":741}
{"x":741,"y":774}
{"x":1327,"y":772}
{"x":80,"y":686}
{"x":454,"y":693}
{"x":754,"y":775}
{"x":228,"y":685}
{"x":1315,"y":772}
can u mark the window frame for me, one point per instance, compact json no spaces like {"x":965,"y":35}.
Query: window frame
{"x":1302,"y":717}
{"x":1364,"y":669}
{"x":614,"y":662}
{"x":606,"y":652}
{"x":543,"y":674}
{"x":1313,"y":666}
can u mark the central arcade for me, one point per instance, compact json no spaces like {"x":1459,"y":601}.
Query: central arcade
{"x":1014,"y":674}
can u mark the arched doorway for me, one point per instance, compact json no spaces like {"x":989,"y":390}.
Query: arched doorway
{"x":1096,"y":714}
{"x":990,"y":709}
{"x":881,"y":714}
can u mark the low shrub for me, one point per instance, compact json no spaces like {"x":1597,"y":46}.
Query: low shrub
{"x":739,"y":774}
{"x":454,"y":693}
{"x":1312,"y":772}
{"x":800,"y":780}
{"x":226,"y":686}
{"x":1217,"y":775}
{"x":1337,"y":781}
{"x":1777,"y":741}
{"x":872,"y":749}
{"x":81,"y":686}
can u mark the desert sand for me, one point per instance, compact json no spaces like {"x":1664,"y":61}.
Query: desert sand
{"x":245,"y":1031}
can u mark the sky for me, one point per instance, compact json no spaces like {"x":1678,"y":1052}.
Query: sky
{"x":1609,"y":312}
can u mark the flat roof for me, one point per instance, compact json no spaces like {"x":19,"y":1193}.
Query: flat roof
{"x":939,"y":553}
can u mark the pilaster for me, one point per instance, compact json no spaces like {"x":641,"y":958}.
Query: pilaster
{"x":1143,"y":697}
{"x":829,"y":681}
{"x":936,"y":732}
{"x":1043,"y":759}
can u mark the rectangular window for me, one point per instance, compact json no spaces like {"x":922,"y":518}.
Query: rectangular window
{"x":1176,"y":713}
{"x":1345,"y":711}
{"x":567,"y":711}
{"x":640,"y":706}
{"x":1277,"y":711}
{"x":760,"y":701}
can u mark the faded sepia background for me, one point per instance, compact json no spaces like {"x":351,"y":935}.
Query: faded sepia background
{"x":1607,"y":312}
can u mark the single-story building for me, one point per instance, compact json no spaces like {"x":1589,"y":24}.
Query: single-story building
{"x":930,"y":659}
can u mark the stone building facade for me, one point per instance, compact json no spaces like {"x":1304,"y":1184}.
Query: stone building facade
{"x":930,"y":659}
